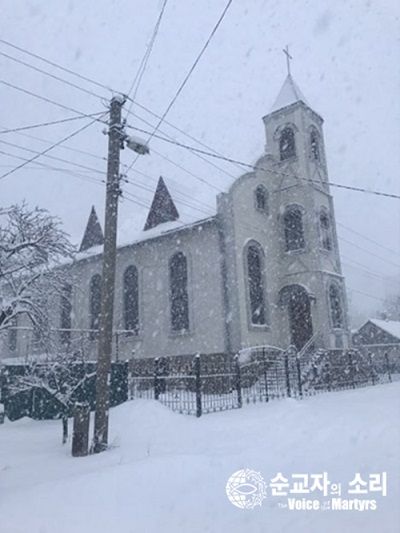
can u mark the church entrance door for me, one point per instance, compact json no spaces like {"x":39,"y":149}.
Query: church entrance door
{"x":299,"y":314}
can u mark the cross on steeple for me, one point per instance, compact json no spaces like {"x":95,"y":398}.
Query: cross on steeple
{"x":288,"y":58}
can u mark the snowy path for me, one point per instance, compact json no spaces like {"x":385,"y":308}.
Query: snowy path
{"x":167,"y":472}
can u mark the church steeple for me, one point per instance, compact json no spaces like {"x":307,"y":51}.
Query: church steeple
{"x":93,"y":235}
{"x":288,"y":95}
{"x":162,"y":207}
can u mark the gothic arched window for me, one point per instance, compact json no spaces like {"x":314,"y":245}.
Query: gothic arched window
{"x":335,"y":304}
{"x":294,"y":232}
{"x":95,"y":305}
{"x":325,"y":228}
{"x":261,"y":197}
{"x":256,"y":284}
{"x":314,"y":145}
{"x":66,"y":314}
{"x":287,"y":145}
{"x":179,"y":299}
{"x":131,"y":299}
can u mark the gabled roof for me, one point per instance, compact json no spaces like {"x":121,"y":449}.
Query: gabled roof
{"x":390,"y":326}
{"x":93,"y":235}
{"x":289,"y":94}
{"x":162,"y":207}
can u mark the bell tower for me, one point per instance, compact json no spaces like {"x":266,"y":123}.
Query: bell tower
{"x":312,"y":295}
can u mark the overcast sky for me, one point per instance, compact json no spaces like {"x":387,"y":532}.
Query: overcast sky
{"x":346,"y":59}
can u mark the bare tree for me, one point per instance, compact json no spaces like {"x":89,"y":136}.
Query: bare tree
{"x":32,"y":249}
{"x":61,"y":377}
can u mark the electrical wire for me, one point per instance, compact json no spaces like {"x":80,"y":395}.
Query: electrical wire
{"x":57,"y":65}
{"x":48,"y":100}
{"x":189,"y":73}
{"x":51,"y":123}
{"x":54,"y":145}
{"x":62,"y":80}
{"x":142,"y":67}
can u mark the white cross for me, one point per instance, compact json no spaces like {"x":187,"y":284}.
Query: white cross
{"x":288,"y":58}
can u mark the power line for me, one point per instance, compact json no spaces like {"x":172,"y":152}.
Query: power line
{"x":367,"y":238}
{"x":255,"y":167}
{"x":56,"y":65}
{"x":199,"y":156}
{"x":64,"y":139}
{"x":177,"y":129}
{"x":371,"y":253}
{"x":51,"y":123}
{"x":368,"y":295}
{"x":62,"y":80}
{"x":92,"y":169}
{"x":45,"y":99}
{"x":146,"y":57}
{"x":54,"y":169}
{"x":189,"y":73}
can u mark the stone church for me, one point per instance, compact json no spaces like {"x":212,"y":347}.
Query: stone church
{"x":264,"y":270}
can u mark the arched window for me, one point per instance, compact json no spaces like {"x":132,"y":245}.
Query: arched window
{"x":95,"y":305}
{"x":131,"y":300}
{"x":294,"y":232}
{"x":325,"y":228}
{"x":335,"y":304}
{"x":179,"y":299}
{"x":287,"y":146}
{"x":256,"y":285}
{"x":66,"y":314}
{"x":314,"y":145}
{"x":261,"y":197}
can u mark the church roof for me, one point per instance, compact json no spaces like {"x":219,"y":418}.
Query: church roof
{"x":93,"y":235}
{"x":289,"y":94}
{"x":390,"y":326}
{"x":162,"y":207}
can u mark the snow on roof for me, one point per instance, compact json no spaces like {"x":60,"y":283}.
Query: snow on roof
{"x":143,"y":235}
{"x":289,"y":94}
{"x":390,"y":326}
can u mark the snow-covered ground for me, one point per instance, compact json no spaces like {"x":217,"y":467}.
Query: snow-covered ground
{"x":167,"y":472}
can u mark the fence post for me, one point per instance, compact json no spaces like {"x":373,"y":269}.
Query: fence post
{"x":299,"y":383}
{"x":238,"y":381}
{"x":288,"y":391}
{"x":371,"y":364}
{"x":198,"y":384}
{"x":388,"y":367}
{"x":351,"y":368}
{"x":264,"y":363}
{"x":156,"y":378}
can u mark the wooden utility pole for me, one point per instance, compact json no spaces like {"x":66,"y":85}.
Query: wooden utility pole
{"x":115,"y":139}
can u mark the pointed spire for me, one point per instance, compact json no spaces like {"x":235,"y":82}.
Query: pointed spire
{"x":93,"y":235}
{"x":162,"y":207}
{"x":289,"y":94}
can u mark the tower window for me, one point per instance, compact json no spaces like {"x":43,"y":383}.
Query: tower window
{"x":255,"y":278}
{"x":325,"y":228}
{"x":179,"y":298}
{"x":293,"y":226}
{"x":314,"y":145}
{"x":261,"y":197}
{"x":287,"y":146}
{"x":131,"y":300}
{"x":95,"y":305}
{"x":335,"y":304}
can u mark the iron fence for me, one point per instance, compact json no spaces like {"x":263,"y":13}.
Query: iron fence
{"x":207,"y":384}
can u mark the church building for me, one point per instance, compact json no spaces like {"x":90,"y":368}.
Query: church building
{"x":263,"y":270}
